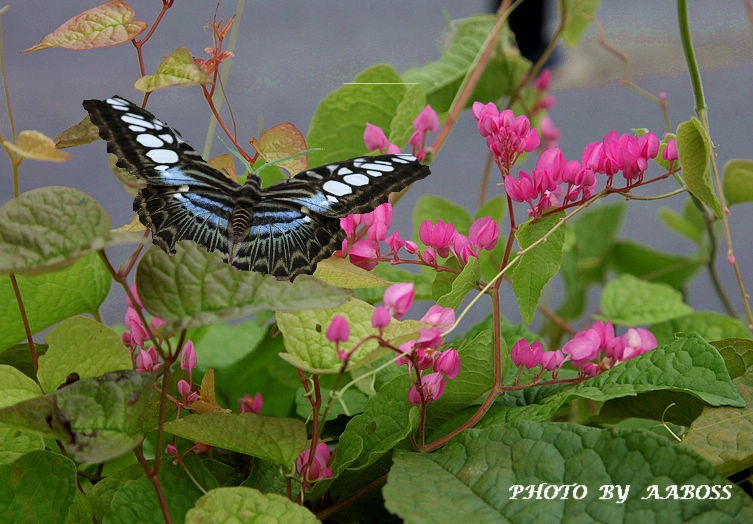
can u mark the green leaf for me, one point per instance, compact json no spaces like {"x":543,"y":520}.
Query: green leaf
{"x":387,"y":419}
{"x":19,"y":357}
{"x":536,"y":267}
{"x":279,"y":440}
{"x":237,"y":342}
{"x":450,"y":289}
{"x":52,"y":297}
{"x":401,"y":126}
{"x":129,"y":495}
{"x":340,"y":120}
{"x":495,"y":207}
{"x":239,"y":504}
{"x":96,"y":418}
{"x":435,"y":208}
{"x":307,"y":347}
{"x":631,"y":302}
{"x":442,"y":78}
{"x":738,"y":181}
{"x":83,"y":346}
{"x":194,"y":288}
{"x":651,"y":265}
{"x":737,"y":354}
{"x":579,"y":16}
{"x":476,"y":377}
{"x":694,"y":150}
{"x":586,"y":253}
{"x":680,"y":225}
{"x":341,"y":273}
{"x":707,"y":324}
{"x":351,"y":402}
{"x":479,"y":471}
{"x":38,"y":487}
{"x":49,"y":228}
{"x":16,"y":387}
{"x":722,"y":435}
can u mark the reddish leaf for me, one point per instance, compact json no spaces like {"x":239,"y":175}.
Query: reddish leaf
{"x":280,"y":141}
{"x":107,"y":24}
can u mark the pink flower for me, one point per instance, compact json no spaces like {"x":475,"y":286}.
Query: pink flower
{"x":430,"y":338}
{"x":461,"y":247}
{"x":319,"y":468}
{"x":184,"y":389}
{"x":364,"y":254}
{"x":428,"y":257}
{"x":448,"y":363}
{"x":393,"y":149}
{"x":543,"y":80}
{"x":136,"y":329}
{"x":381,"y":317}
{"x":398,"y":298}
{"x":350,"y":223}
{"x":552,"y":360}
{"x":605,"y":330}
{"x":249,"y":404}
{"x":636,"y":342}
{"x":188,"y":357}
{"x":483,"y":233}
{"x":549,"y":132}
{"x":374,"y":138}
{"x":439,"y":317}
{"x":157,"y":323}
{"x":437,"y":235}
{"x":521,"y":190}
{"x":394,"y":242}
{"x":525,"y":354}
{"x":590,"y":369}
{"x":427,"y":120}
{"x":135,"y":294}
{"x":507,"y":136}
{"x":338,"y":330}
{"x":147,"y":360}
{"x":433,"y":385}
{"x":670,"y":151}
{"x":583,"y":347}
{"x":411,"y":247}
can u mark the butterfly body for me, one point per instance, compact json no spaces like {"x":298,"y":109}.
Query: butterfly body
{"x":283,"y":230}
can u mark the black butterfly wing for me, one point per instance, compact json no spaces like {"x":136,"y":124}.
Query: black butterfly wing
{"x":353,"y":186}
{"x":185,"y":197}
{"x":285,"y":242}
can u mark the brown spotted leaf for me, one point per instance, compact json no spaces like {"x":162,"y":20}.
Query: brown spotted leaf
{"x":282,"y":141}
{"x":107,"y":24}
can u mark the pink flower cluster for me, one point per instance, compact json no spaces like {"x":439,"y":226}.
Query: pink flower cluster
{"x":556,"y":181}
{"x":427,"y":121}
{"x":423,"y":352}
{"x":507,"y":136}
{"x":591,"y":351}
{"x":365,"y":232}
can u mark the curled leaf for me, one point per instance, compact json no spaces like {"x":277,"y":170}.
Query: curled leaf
{"x":281,"y":141}
{"x":134,"y":226}
{"x":77,"y":135}
{"x":37,"y":146}
{"x":177,"y":69}
{"x":107,"y":24}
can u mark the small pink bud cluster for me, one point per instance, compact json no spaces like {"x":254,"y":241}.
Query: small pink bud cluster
{"x":507,"y":136}
{"x":249,"y":404}
{"x":135,"y":337}
{"x":427,"y":121}
{"x":621,"y":153}
{"x":442,"y":239}
{"x":319,"y":468}
{"x":591,"y":351}
{"x":550,"y":134}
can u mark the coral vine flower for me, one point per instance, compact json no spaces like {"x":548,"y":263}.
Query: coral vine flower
{"x":338,"y":330}
{"x":507,"y":136}
{"x":525,"y":354}
{"x":249,"y":404}
{"x":374,"y":138}
{"x":439,"y":236}
{"x":398,"y":298}
{"x":319,"y":468}
{"x":483,"y":233}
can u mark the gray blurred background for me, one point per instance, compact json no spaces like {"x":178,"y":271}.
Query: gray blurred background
{"x":290,"y":54}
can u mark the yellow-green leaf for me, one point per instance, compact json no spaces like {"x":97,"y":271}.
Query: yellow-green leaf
{"x":341,"y":273}
{"x":281,"y":141}
{"x":694,"y":150}
{"x":177,"y":69}
{"x":107,"y":24}
{"x":37,"y":146}
{"x":78,"y":134}
{"x":738,"y":181}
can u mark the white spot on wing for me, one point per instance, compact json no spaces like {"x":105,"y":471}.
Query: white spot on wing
{"x":167,"y":138}
{"x":378,"y":167}
{"x":314,"y":175}
{"x":332,"y":199}
{"x":344,"y":171}
{"x":337,"y":188}
{"x":356,"y":179}
{"x":129,"y":119}
{"x":163,"y":156}
{"x":183,"y":189}
{"x":136,"y":129}
{"x":147,"y":140}
{"x":371,"y":172}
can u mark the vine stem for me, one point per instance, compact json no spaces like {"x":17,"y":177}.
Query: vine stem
{"x":700,"y":109}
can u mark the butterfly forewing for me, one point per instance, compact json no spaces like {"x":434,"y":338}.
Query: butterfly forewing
{"x":284,"y":230}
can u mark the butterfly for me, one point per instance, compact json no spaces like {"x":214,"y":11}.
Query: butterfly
{"x":283,"y":230}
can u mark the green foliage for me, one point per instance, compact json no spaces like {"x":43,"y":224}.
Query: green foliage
{"x":694,"y":149}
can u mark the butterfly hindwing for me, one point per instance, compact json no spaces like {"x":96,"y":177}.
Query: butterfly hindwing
{"x":284,"y":230}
